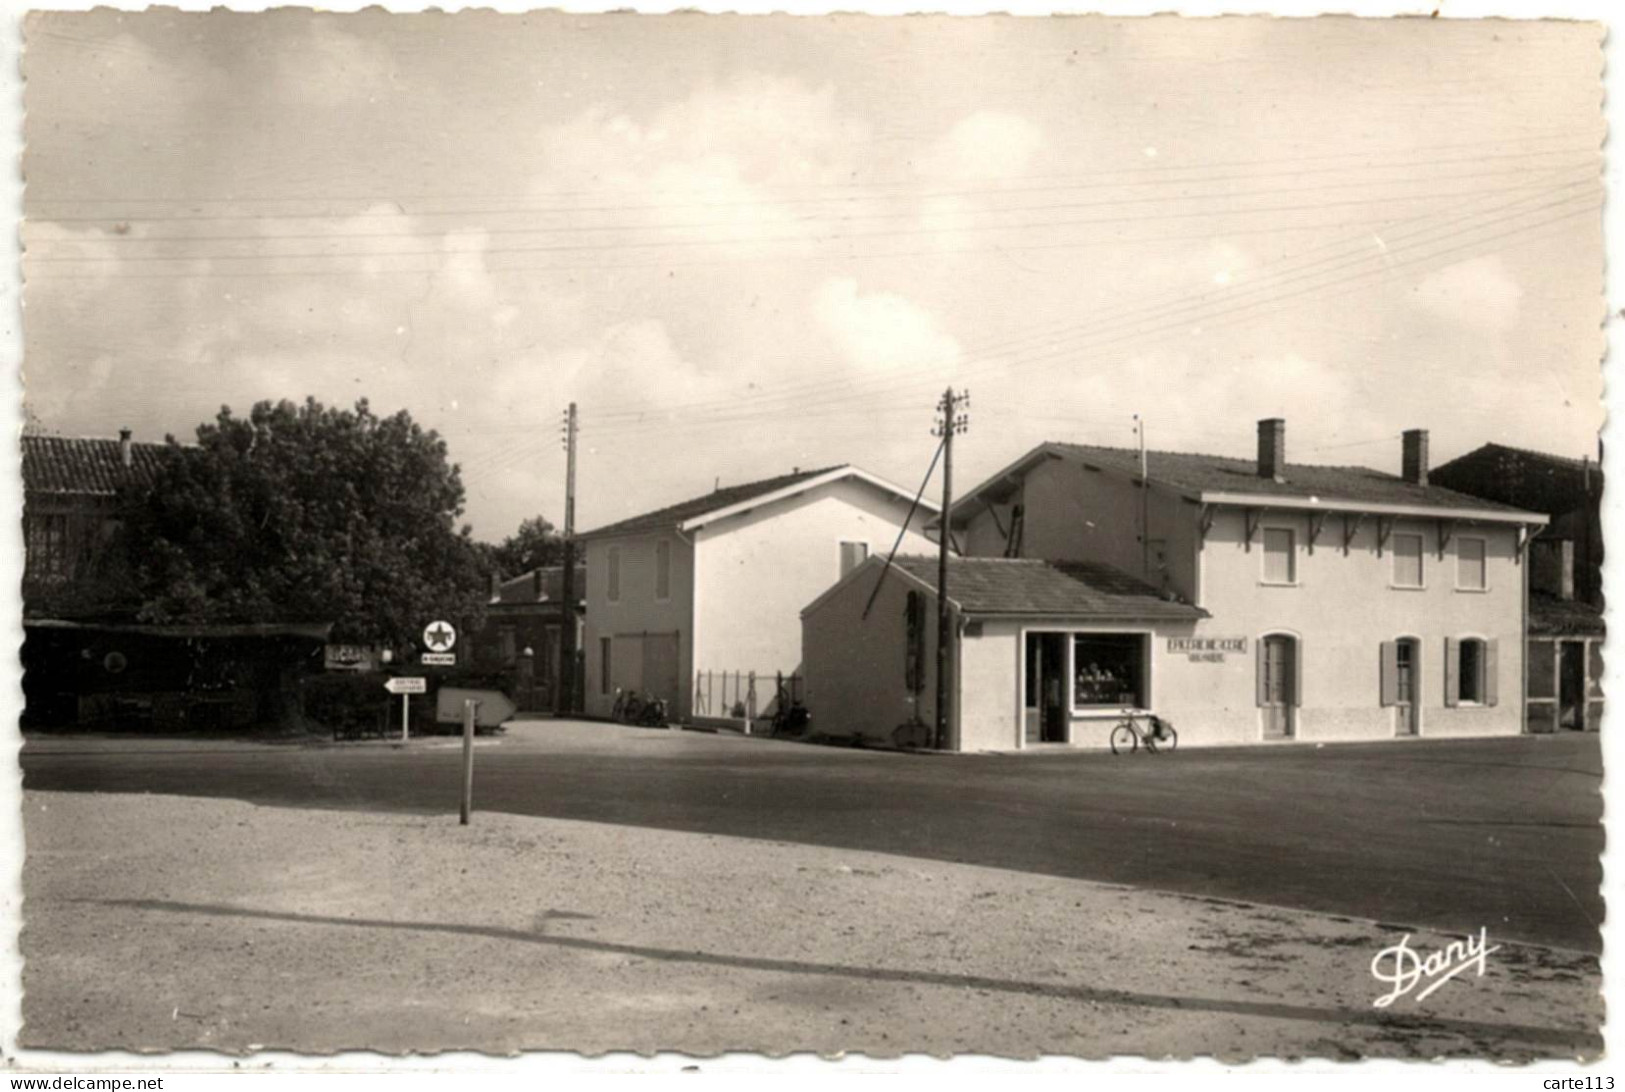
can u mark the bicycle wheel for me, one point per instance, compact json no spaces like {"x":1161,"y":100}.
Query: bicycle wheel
{"x":1124,"y":739}
{"x":1168,"y":741}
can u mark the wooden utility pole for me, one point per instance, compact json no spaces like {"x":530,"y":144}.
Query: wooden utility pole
{"x":950,"y":422}
{"x":1145,"y":505}
{"x":564,"y":697}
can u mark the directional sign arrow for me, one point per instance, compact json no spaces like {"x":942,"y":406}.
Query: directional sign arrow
{"x":407,"y":685}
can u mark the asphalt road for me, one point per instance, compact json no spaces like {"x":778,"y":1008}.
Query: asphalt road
{"x":1455,"y":835}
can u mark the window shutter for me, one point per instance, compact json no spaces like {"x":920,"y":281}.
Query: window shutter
{"x":1491,"y":664}
{"x":1261,"y":659}
{"x":1452,"y":672}
{"x":1390,"y":673}
{"x":1296,"y":681}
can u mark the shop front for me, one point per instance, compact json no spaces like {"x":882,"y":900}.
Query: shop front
{"x":1073,"y":675}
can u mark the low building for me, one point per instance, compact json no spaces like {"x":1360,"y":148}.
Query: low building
{"x":523,"y":628}
{"x":1324,"y":603}
{"x":693,"y":601}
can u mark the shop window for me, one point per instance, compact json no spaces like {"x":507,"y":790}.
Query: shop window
{"x":1407,"y":561}
{"x":1109,"y":670}
{"x":1280,"y":556}
{"x":1470,"y":672}
{"x":663,"y":569}
{"x":1470,"y":567}
{"x":853,"y":554}
{"x":614,"y":574}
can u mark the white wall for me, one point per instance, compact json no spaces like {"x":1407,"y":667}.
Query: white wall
{"x":1342,"y":608}
{"x":757,"y":571}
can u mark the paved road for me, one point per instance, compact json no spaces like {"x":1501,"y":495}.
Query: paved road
{"x":1456,"y":835}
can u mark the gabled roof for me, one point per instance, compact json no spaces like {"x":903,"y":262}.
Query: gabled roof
{"x":730,"y":500}
{"x":1221,"y":479}
{"x":95,"y":467}
{"x":1527,"y":455}
{"x":542,"y":585}
{"x":1017,"y":587}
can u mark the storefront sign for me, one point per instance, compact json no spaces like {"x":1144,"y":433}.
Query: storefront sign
{"x":348,"y":658}
{"x":1210,"y":650}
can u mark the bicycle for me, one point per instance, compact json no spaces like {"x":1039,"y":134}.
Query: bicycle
{"x":1127,"y":735}
{"x":790,"y":717}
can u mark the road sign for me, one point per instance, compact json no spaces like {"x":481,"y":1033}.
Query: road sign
{"x":408,"y":685}
{"x":439,"y":637}
{"x":439,"y":659}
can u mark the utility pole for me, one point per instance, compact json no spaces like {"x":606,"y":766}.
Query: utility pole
{"x":564,"y":693}
{"x":1145,"y":505}
{"x":950,"y":422}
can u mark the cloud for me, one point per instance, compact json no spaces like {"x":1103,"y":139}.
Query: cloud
{"x":988,"y":145}
{"x":881,"y":332}
{"x":1479,"y":294}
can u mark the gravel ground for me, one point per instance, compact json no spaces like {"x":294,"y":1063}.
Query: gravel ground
{"x":161,"y":922}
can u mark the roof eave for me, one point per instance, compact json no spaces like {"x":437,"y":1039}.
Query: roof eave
{"x":1335,"y":504}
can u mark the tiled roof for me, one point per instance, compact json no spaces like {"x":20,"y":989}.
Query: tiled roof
{"x":1220,"y":474}
{"x":61,"y":464}
{"x":1529,"y":455}
{"x":663,"y":519}
{"x":524,"y":588}
{"x":1550,"y":616}
{"x":1027,"y":586}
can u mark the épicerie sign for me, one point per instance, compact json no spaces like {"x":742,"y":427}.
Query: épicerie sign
{"x":1207,"y":649}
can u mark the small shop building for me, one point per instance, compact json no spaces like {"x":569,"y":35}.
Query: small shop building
{"x":1247,"y":601}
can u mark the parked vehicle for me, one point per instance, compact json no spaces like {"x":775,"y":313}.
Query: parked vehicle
{"x":1157,"y":735}
{"x":630,"y":709}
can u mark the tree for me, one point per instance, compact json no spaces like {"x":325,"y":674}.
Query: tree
{"x":302,"y":513}
{"x":535,"y":545}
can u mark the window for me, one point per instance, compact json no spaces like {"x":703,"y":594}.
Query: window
{"x":1471,"y":670}
{"x":505,"y":640}
{"x":1280,"y":556}
{"x":46,"y":548}
{"x":914,"y":660}
{"x":853,"y":554}
{"x":663,"y":569}
{"x":1407,"y":561}
{"x":603,"y":664}
{"x":1109,"y":670}
{"x":614,"y":574}
{"x":1470,"y":573}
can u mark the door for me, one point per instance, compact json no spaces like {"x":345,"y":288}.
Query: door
{"x":1571,"y":674}
{"x":660,"y":668}
{"x":1045,"y":715}
{"x":1278,"y":685}
{"x":1406,"y":688}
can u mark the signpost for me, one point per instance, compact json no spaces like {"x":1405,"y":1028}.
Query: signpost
{"x":439,"y":636}
{"x":406,"y":686}
{"x":439,"y":659}
{"x":469,"y":706}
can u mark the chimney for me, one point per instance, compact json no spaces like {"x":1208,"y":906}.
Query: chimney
{"x":1272,"y":449}
{"x":1414,"y":459}
{"x":537,"y":588}
{"x":496,"y":585}
{"x":126,"y":456}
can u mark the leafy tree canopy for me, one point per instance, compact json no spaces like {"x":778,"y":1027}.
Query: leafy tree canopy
{"x":304,"y":512}
{"x":535,"y":545}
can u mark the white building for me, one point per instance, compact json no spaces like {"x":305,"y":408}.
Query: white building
{"x":1319,"y":603}
{"x":688,"y":602}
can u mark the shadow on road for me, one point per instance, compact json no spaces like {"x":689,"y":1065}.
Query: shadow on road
{"x":1563,"y":1038}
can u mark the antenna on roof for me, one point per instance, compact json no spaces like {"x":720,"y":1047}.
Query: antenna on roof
{"x":717,"y":485}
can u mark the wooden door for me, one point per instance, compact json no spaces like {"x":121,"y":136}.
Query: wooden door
{"x":1406,"y":688}
{"x":1278,"y":685}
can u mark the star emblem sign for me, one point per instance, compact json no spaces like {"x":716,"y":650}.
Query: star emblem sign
{"x":439,"y":636}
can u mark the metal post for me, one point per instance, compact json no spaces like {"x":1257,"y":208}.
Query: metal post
{"x":405,"y":719}
{"x":950,"y":424}
{"x":468,"y":758}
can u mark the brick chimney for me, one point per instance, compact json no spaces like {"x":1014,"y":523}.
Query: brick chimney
{"x":1414,"y":456}
{"x":1272,"y":449}
{"x":496,"y":586}
{"x":538,"y":586}
{"x":126,"y":456}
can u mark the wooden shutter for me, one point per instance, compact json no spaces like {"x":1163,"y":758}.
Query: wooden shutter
{"x":1390,"y":673}
{"x":1452,"y":672}
{"x":1491,"y":664}
{"x":1263,"y":649}
{"x":1295,"y":648}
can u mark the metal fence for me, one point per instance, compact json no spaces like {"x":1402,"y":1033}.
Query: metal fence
{"x":744,"y":696}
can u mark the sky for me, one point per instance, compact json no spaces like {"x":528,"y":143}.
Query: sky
{"x":744,"y":245}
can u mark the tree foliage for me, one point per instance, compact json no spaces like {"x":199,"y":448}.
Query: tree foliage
{"x":535,"y":545}
{"x":304,"y":512}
